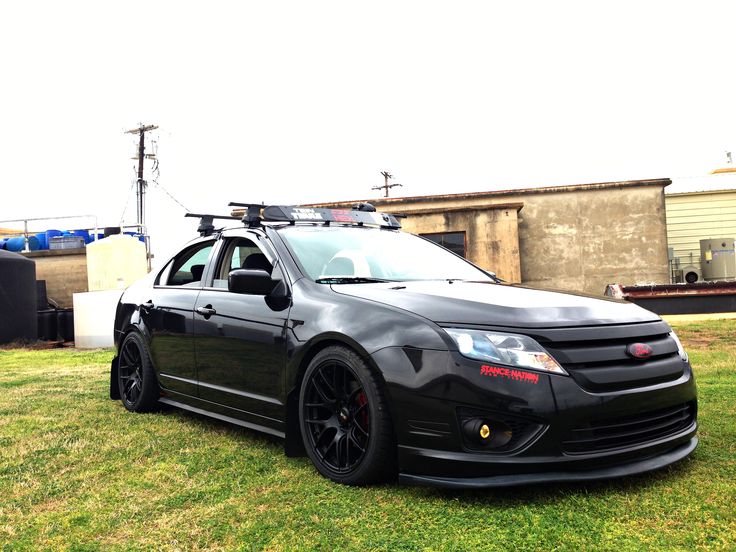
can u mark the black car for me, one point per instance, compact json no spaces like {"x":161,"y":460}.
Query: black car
{"x":378,"y":352}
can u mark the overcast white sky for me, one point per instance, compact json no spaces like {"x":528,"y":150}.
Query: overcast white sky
{"x":288,"y":102}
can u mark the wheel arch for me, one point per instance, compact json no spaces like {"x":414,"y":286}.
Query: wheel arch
{"x":294,"y":444}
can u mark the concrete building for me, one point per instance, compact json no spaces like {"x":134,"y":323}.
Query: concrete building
{"x":576,"y":238}
{"x":698,"y":209}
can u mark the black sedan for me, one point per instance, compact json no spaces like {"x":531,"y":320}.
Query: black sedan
{"x":377,"y":352}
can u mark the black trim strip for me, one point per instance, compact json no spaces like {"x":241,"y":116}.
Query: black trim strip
{"x":229,"y":390}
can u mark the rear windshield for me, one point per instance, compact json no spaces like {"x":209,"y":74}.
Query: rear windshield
{"x":339,"y":251}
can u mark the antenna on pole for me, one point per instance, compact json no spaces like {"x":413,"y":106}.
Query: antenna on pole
{"x":386,"y":186}
{"x":142,"y":184}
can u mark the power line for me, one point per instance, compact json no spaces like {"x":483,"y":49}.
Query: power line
{"x":127,"y":200}
{"x":171,"y":196}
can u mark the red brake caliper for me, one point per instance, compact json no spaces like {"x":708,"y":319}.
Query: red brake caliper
{"x":362,"y":400}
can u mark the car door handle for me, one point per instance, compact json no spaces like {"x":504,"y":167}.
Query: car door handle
{"x":148,"y":305}
{"x":205,"y":311}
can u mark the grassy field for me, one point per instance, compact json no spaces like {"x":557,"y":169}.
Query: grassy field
{"x":78,"y":472}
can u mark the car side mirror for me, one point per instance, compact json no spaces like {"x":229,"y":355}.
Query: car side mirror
{"x":251,"y":281}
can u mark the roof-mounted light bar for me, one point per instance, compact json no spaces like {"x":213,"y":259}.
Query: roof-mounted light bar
{"x":365,"y":213}
{"x":206,"y":226}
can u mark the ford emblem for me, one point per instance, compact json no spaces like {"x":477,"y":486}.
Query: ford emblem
{"x":639,"y":350}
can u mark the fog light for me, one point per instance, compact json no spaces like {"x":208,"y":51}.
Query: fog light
{"x":477,"y":430}
{"x":485,"y":431}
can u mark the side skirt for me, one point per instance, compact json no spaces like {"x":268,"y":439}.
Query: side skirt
{"x":222,"y":417}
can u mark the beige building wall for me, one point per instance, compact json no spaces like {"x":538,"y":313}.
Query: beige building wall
{"x":574,"y":238}
{"x":65,"y":272}
{"x":696,"y":216}
{"x":491,"y":234}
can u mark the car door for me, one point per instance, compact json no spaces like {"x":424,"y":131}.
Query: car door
{"x":169,"y":314}
{"x":239,"y":339}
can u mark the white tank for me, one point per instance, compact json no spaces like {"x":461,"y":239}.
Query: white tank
{"x":94,"y":318}
{"x":115,"y":262}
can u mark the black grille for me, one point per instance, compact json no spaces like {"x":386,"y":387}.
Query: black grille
{"x":623,"y":432}
{"x":598,"y":361}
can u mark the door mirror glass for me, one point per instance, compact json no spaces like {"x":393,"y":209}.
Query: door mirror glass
{"x":251,"y":281}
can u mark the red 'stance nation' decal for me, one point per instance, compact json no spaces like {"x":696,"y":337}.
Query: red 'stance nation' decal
{"x":508,"y":373}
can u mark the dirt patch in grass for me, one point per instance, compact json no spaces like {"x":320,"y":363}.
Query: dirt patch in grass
{"x":36,"y":345}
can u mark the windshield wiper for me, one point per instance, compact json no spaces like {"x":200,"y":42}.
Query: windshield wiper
{"x":350,"y":280}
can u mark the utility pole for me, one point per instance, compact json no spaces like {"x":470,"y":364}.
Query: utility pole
{"x":386,"y":186}
{"x":141,"y":184}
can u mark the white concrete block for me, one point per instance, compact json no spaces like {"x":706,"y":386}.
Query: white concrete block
{"x":94,"y":318}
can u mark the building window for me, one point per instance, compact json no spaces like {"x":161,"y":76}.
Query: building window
{"x":454,"y":241}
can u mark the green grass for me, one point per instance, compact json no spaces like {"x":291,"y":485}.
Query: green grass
{"x":78,"y":472}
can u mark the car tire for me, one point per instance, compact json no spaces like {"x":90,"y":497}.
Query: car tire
{"x":345,"y":420}
{"x":139,"y":390}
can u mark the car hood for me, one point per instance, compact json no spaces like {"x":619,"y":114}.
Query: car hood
{"x":489,"y":304}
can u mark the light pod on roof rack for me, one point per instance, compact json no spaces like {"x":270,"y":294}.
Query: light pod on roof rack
{"x":363,"y":214}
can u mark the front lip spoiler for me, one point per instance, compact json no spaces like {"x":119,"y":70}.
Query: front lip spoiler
{"x":621,"y":470}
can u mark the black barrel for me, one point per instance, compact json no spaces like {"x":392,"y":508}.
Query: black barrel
{"x":48,"y":325}
{"x":66,"y":324}
{"x":42,"y":299}
{"x":17,"y":297}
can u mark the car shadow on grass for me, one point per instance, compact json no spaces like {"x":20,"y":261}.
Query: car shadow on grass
{"x":540,"y":493}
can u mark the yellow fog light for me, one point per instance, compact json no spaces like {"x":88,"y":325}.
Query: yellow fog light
{"x":485,"y":431}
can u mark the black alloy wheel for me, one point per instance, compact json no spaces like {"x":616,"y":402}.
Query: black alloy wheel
{"x":136,"y":379}
{"x":344,"y":419}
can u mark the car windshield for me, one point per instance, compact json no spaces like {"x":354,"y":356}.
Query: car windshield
{"x":340,"y":254}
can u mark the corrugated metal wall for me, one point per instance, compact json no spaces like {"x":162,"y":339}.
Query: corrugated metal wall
{"x":692,"y":217}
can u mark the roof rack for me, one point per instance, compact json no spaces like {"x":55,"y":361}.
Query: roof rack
{"x":206,"y":228}
{"x":361,"y":214}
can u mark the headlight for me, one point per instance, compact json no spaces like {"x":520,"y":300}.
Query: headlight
{"x":680,"y":348}
{"x":509,"y":349}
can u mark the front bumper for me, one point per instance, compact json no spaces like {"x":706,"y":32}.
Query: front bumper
{"x":429,"y":392}
{"x":634,"y":467}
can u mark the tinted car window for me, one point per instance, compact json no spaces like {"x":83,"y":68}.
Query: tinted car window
{"x":189,"y":265}
{"x":240,"y":253}
{"x":371,"y":252}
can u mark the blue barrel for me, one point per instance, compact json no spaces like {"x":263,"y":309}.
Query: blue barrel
{"x":15,"y":244}
{"x":51,"y":234}
{"x":18,"y":243}
{"x":82,"y":234}
{"x":42,"y":240}
{"x":2,"y":243}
